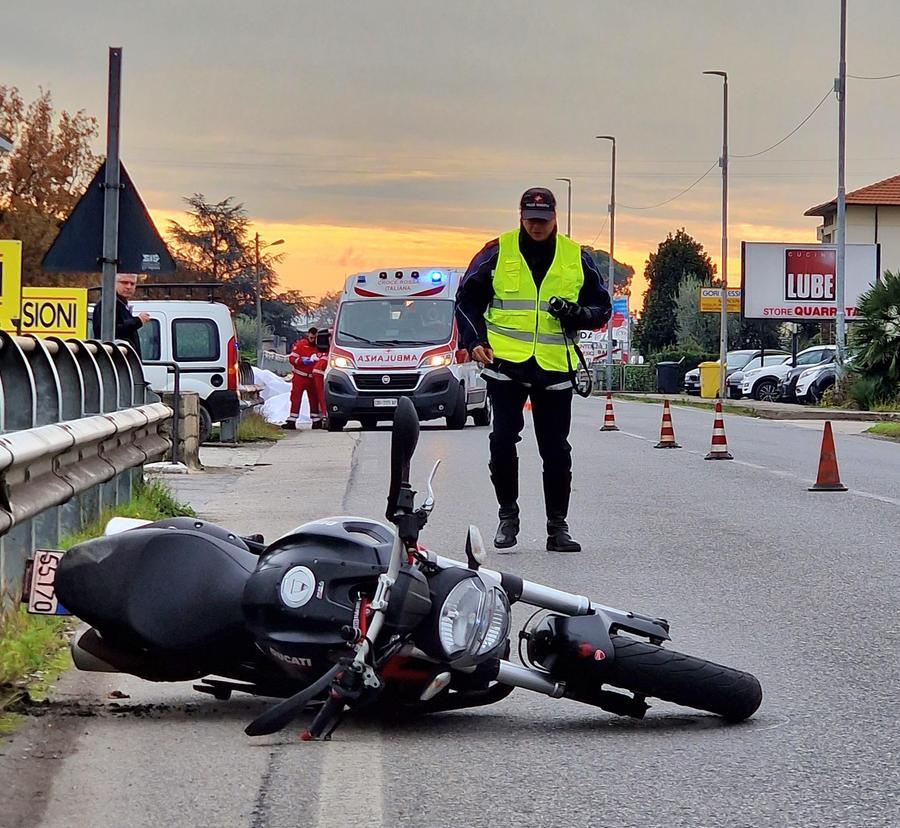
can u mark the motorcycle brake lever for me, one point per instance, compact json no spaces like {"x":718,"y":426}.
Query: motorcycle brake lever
{"x":428,"y":505}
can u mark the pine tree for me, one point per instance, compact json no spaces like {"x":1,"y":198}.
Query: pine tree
{"x":678,"y":257}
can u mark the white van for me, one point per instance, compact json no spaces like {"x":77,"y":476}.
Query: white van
{"x":200,"y":338}
{"x":395,"y":336}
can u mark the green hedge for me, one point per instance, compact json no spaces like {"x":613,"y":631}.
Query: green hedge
{"x":640,"y":378}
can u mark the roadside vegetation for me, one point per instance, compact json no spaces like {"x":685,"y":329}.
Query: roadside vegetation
{"x":872,"y":381}
{"x":254,"y":428}
{"x":33,"y":648}
{"x":889,"y":430}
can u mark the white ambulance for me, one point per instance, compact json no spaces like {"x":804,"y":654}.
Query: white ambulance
{"x":395,"y":336}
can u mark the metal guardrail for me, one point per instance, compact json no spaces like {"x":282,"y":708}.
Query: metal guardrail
{"x":77,"y":421}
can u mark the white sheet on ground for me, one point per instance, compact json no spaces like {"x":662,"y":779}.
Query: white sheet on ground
{"x":276,"y":394}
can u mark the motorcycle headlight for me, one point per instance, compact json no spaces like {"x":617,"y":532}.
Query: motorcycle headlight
{"x":473,"y":620}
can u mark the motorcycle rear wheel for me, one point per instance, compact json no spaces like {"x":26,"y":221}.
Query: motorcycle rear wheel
{"x":682,"y":679}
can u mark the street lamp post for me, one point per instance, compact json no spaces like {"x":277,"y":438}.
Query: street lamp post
{"x":611,"y":279}
{"x":840,"y":86}
{"x":723,"y":163}
{"x":569,"y":207}
{"x":259,"y":348}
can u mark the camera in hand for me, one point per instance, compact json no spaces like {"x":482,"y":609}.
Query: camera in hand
{"x":559,"y":307}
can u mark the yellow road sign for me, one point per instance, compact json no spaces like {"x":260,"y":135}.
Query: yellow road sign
{"x":711,"y":300}
{"x":10,"y":283}
{"x":55,"y":311}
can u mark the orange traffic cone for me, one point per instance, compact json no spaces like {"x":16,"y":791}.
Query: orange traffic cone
{"x":609,"y":416}
{"x":666,"y":431}
{"x":828,"y":479}
{"x":719,"y":448}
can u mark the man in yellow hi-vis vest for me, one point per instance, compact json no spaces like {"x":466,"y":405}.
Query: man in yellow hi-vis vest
{"x":519,"y":308}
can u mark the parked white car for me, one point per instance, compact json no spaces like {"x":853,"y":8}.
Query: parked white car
{"x":764,"y":383}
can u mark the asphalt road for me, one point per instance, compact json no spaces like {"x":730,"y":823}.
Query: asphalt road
{"x":751,"y":569}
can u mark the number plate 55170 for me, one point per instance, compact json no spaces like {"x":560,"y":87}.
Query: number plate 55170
{"x":42,"y":592}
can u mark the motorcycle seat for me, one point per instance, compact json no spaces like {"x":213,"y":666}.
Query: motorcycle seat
{"x":174,"y":585}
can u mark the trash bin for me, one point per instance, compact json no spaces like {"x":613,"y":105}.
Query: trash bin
{"x":668,"y":377}
{"x":709,"y":379}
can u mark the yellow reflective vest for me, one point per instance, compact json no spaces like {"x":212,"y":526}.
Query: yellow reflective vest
{"x":518,"y":323}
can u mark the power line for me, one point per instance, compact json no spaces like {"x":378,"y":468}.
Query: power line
{"x":874,"y":77}
{"x":600,"y":233}
{"x":677,"y":195}
{"x":792,"y":132}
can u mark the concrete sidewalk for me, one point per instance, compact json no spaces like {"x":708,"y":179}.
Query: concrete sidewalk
{"x":272,"y":487}
{"x":767,"y":410}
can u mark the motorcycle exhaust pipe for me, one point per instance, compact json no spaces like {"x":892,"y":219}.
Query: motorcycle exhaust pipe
{"x":91,"y":654}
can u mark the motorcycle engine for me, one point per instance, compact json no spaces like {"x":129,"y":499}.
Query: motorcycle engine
{"x":301,"y":603}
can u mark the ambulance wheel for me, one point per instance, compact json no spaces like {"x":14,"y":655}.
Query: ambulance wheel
{"x":205,"y":425}
{"x":482,"y":416}
{"x":457,"y":419}
{"x":336,"y":424}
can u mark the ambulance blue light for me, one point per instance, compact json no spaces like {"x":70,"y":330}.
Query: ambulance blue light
{"x":436,"y":276}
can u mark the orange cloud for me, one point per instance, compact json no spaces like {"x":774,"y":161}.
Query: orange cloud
{"x":318,"y":257}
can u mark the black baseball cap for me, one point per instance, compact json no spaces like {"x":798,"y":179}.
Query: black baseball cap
{"x":538,"y":203}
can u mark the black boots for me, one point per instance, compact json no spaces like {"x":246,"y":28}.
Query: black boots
{"x":559,"y":539}
{"x":506,"y":486}
{"x":557,"y":487}
{"x":507,"y":531}
{"x":556,"y":499}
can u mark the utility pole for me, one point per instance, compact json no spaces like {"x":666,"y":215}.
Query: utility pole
{"x":258,"y":291}
{"x":611,"y":277}
{"x":259,"y":348}
{"x":723,"y":163}
{"x":569,"y":208}
{"x":111,"y":187}
{"x":840,"y":86}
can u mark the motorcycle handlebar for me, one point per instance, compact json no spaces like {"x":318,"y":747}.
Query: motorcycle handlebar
{"x":404,"y":438}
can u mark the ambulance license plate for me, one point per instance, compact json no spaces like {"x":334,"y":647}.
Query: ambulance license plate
{"x":42,"y":598}
{"x":386,"y":403}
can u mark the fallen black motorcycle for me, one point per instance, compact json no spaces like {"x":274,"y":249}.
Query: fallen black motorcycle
{"x":347,"y":612}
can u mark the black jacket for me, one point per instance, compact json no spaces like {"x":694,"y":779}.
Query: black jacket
{"x":477,"y":290}
{"x":127,"y":324}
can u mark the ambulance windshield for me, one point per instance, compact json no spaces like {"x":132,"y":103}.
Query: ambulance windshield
{"x":376,"y":323}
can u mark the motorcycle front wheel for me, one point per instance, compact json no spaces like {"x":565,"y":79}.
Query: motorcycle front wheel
{"x":655,"y":672}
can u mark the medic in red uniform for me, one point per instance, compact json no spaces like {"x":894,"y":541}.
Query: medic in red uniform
{"x":303,"y":358}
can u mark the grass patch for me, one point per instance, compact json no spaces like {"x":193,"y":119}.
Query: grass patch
{"x":707,"y":406}
{"x":889,"y":430}
{"x":33,"y":648}
{"x":254,"y":428}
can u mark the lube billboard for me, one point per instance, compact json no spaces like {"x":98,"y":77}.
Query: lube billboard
{"x":798,"y":282}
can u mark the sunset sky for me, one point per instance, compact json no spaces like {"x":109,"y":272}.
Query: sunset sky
{"x":402,"y":132}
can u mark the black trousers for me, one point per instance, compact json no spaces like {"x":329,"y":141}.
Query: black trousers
{"x":552,"y":413}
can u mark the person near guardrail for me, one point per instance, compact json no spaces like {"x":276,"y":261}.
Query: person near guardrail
{"x":521,"y":302}
{"x":303,"y":358}
{"x":127,"y":324}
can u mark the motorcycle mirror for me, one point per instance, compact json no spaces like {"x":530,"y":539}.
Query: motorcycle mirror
{"x":404,"y":437}
{"x":476,"y":552}
{"x":428,"y":505}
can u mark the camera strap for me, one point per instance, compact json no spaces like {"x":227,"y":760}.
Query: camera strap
{"x":588,"y":387}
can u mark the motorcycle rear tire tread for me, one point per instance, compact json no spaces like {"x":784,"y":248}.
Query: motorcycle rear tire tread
{"x":685,"y":680}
